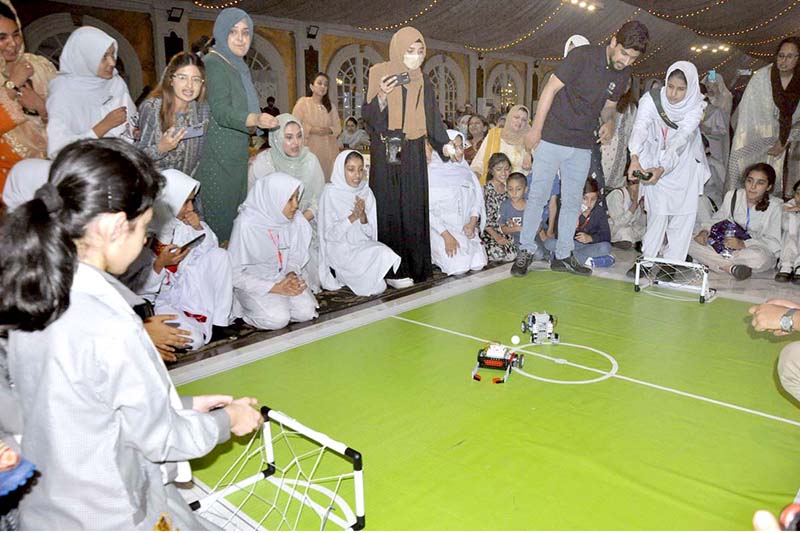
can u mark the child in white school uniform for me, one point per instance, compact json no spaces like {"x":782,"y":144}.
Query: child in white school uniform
{"x":350,"y":253}
{"x":790,"y":249}
{"x":269,"y":251}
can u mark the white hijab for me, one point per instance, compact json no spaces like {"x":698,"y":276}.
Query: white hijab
{"x":451,"y":175}
{"x":693,"y":98}
{"x":80,"y":90}
{"x":575,"y":41}
{"x":177,"y":189}
{"x":261,"y":213}
{"x":336,"y":202}
{"x":23,"y":181}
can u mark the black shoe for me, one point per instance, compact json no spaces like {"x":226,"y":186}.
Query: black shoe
{"x":643,"y":273}
{"x":622,"y":245}
{"x":783,"y":277}
{"x":571,"y":265}
{"x":741,"y":272}
{"x":521,"y":263}
{"x":224,"y":333}
{"x":796,"y":276}
{"x":638,"y":246}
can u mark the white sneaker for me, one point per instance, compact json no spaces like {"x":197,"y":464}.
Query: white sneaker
{"x":402,"y":283}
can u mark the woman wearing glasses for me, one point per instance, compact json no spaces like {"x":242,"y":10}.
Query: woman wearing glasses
{"x":767,"y":112}
{"x":174,"y":117}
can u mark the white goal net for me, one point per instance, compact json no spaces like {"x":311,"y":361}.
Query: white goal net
{"x":289,"y":477}
{"x":673,"y":280}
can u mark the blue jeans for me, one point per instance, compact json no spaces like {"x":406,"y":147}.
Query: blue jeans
{"x":584,"y":251}
{"x":573,"y":164}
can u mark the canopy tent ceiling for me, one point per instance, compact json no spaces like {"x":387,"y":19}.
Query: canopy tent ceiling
{"x":538,"y":28}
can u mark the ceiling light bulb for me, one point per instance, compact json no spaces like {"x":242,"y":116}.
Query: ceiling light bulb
{"x":574,"y":2}
{"x":694,"y":48}
{"x":714,"y":50}
{"x":591,"y":7}
{"x":582,"y":4}
{"x":705,"y":47}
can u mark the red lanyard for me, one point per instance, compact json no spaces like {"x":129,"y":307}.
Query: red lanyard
{"x":277,"y":247}
{"x":664,"y":134}
{"x":585,"y":222}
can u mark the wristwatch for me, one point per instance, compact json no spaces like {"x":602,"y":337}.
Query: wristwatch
{"x":787,"y":324}
{"x":10,"y":85}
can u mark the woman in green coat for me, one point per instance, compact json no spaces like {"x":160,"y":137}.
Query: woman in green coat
{"x":235,"y":112}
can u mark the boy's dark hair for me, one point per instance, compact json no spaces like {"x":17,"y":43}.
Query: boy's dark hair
{"x":633,"y":35}
{"x":270,"y":100}
{"x":518,"y":176}
{"x":38,"y":255}
{"x":591,"y":185}
{"x":769,"y":172}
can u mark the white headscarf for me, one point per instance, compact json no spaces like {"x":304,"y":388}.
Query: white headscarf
{"x":723,"y":100}
{"x":261,"y":213}
{"x":451,"y":175}
{"x":576,"y":41}
{"x":336,"y":202}
{"x":23,"y":180}
{"x":693,"y":97}
{"x":79,"y":89}
{"x":177,"y":189}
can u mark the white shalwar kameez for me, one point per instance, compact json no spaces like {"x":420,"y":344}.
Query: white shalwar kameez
{"x":351,"y":250}
{"x":102,"y":419}
{"x":265,"y":247}
{"x":624,"y":225}
{"x":200,"y":290}
{"x":671,"y":203}
{"x":790,"y":249}
{"x":454,"y":196}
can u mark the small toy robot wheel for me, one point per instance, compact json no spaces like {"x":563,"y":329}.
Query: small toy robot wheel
{"x":524,"y":326}
{"x":556,"y":338}
{"x":636,"y":288}
{"x":521,"y":361}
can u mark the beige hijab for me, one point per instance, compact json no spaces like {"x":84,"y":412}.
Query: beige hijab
{"x":29,"y":139}
{"x":414,"y":125}
{"x":516,"y":138}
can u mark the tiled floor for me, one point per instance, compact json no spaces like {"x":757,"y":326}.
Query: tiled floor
{"x":759,"y":288}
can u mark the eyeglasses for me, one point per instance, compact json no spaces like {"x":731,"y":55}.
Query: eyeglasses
{"x":788,"y":56}
{"x":183,"y":78}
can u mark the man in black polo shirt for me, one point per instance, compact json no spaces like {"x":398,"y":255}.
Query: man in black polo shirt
{"x":585,"y":86}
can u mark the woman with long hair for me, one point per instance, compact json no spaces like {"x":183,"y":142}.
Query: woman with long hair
{"x":174,"y":117}
{"x":320,"y":121}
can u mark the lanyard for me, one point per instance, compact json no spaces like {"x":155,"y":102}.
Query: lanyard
{"x":585,"y":222}
{"x":277,"y":243}
{"x":747,"y":223}
{"x":664,"y":135}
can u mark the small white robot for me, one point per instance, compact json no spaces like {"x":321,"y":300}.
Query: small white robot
{"x":541,"y":327}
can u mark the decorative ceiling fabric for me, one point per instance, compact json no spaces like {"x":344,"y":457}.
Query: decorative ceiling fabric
{"x":538,"y":28}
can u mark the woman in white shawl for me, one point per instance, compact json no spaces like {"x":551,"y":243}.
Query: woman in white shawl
{"x":348,"y":232}
{"x":768,"y":116}
{"x":88,"y":99}
{"x":290,"y":155}
{"x":676,"y":159}
{"x":199,"y":289}
{"x":457,"y":211}
{"x":716,"y":125}
{"x":269,"y":253}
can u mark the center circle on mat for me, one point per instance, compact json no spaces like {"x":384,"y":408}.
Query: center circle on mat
{"x":556,"y":360}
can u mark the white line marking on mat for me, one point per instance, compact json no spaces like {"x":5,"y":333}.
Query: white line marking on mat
{"x":625,"y":378}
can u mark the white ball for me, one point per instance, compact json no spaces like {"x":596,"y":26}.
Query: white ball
{"x":515,"y":340}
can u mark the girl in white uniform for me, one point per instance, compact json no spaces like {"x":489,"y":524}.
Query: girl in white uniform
{"x":199,"y":288}
{"x":348,"y":232}
{"x":88,"y":99}
{"x":759,"y":214}
{"x":675,"y":157}
{"x":102,"y":420}
{"x":457,"y":211}
{"x":269,"y":252}
{"x":790,"y":249}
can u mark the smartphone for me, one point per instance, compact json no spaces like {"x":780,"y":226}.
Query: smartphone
{"x":193,"y":243}
{"x":194,"y":131}
{"x":403,"y":78}
{"x":712,"y":76}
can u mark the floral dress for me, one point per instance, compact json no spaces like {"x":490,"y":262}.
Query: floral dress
{"x":495,"y":250}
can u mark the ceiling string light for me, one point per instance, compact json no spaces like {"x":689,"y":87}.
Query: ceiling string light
{"x":518,"y":40}
{"x":766,"y":41}
{"x":713,"y":48}
{"x":754,"y":27}
{"x":687,"y":15}
{"x":588,"y":5}
{"x":223,"y":5}
{"x":610,"y":35}
{"x":400,"y":24}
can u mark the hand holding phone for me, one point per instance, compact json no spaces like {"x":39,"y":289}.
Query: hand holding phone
{"x":193,"y":132}
{"x":403,"y":78}
{"x":193,"y":243}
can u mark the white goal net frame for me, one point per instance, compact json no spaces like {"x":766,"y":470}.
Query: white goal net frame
{"x":652,"y":272}
{"x":294,"y":491}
